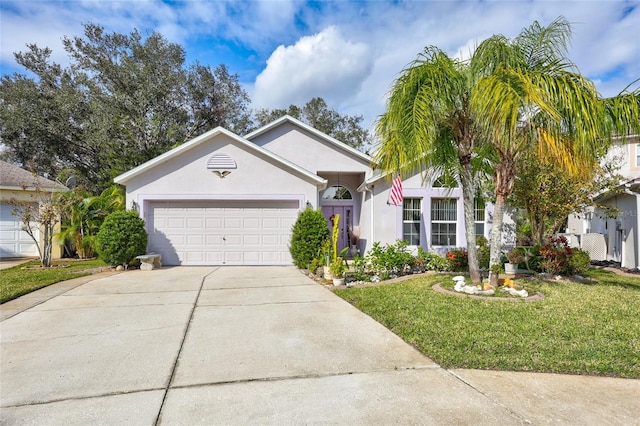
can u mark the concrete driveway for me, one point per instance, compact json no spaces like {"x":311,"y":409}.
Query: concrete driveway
{"x":253,"y":345}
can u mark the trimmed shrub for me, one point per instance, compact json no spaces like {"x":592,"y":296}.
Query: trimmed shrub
{"x":390,"y":260}
{"x":579,"y":262}
{"x":428,"y":261}
{"x":555,"y":256}
{"x":458,"y":259}
{"x":308,"y":235}
{"x":121,"y":238}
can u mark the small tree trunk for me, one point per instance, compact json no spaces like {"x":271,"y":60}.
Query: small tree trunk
{"x":505,"y":179}
{"x":468,"y":195}
{"x":495,"y":256}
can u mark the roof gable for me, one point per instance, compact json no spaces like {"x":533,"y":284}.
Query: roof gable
{"x":334,"y":143}
{"x":237,"y":140}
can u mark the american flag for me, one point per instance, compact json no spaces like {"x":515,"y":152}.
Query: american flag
{"x":396,"y":191}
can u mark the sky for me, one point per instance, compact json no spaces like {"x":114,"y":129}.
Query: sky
{"x":347,"y":52}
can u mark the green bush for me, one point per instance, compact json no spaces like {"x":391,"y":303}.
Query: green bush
{"x":308,"y":235}
{"x":458,"y":259}
{"x":484,"y":252}
{"x":121,"y":238}
{"x":360,"y":268}
{"x":428,"y":261}
{"x":579,"y":262}
{"x":390,"y":260}
{"x":555,"y":256}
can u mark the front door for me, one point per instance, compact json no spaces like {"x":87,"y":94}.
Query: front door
{"x":346,"y":218}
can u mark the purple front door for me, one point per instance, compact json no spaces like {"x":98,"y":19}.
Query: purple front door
{"x":346,"y":218}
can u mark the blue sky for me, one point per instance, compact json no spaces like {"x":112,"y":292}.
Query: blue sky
{"x":348,"y":52}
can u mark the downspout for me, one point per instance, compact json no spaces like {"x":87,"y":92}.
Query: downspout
{"x":637,"y":233}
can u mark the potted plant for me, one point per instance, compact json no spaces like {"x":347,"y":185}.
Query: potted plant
{"x":337,"y":269}
{"x":515,"y":257}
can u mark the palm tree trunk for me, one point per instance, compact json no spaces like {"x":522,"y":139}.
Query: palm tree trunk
{"x":495,"y":256}
{"x":468,"y":195}
{"x":505,"y":179}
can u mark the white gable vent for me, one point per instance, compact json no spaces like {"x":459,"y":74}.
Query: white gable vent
{"x":221,"y":161}
{"x":220,"y":164}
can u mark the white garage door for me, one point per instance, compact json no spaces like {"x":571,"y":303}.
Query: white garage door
{"x":14,"y":242}
{"x":222,"y":232}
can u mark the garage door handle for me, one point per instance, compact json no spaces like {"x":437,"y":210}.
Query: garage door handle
{"x":224,"y":238}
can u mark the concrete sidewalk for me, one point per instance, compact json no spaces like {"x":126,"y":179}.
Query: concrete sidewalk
{"x":259,"y":345}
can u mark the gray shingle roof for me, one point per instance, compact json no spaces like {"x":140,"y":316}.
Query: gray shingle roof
{"x":13,"y":177}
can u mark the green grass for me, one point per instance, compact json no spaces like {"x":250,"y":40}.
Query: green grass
{"x":17,"y":281}
{"x":577,"y":328}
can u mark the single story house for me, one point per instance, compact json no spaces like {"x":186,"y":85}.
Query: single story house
{"x":224,"y":199}
{"x":21,"y":185}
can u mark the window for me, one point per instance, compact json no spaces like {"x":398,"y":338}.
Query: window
{"x":411,"y":212}
{"x":478,"y":215}
{"x":638,"y":155}
{"x":444,"y":216}
{"x":337,"y":192}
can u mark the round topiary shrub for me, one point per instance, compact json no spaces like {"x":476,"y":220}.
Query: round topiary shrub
{"x":121,"y":238}
{"x":579,"y":262}
{"x":308,"y":235}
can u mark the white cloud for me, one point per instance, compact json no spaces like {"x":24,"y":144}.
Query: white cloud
{"x":324,"y":65}
{"x":348,"y":52}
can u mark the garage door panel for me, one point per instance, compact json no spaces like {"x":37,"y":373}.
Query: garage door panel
{"x":214,"y":223}
{"x":222,"y":232}
{"x":195,"y":240}
{"x":251,"y":240}
{"x":213,"y":239}
{"x":232,"y":222}
{"x":270,"y":223}
{"x":233,"y":257}
{"x":251,"y":223}
{"x":271,"y":256}
{"x":175,"y":223}
{"x":271,"y":240}
{"x":195,"y":223}
{"x":214,"y":258}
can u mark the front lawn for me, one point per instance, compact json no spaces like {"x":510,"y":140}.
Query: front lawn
{"x":16,"y":281}
{"x":577,"y":328}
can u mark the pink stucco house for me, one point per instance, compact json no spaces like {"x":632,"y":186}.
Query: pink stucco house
{"x":225,"y":199}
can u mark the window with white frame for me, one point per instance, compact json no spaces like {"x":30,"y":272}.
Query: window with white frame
{"x":411,"y":212}
{"x":444,"y":217}
{"x":478,"y":215}
{"x":638,"y":155}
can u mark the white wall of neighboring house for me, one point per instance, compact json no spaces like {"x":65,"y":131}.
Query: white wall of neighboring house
{"x":615,"y":238}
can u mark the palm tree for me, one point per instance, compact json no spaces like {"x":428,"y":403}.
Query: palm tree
{"x":83,"y":214}
{"x":531,"y":97}
{"x":430,"y":125}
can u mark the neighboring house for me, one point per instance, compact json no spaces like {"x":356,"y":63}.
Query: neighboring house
{"x":616,"y":239}
{"x":225,"y":199}
{"x":21,"y":185}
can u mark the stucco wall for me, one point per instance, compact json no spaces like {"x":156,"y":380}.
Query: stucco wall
{"x":186,"y":176}
{"x":387,"y":219}
{"x":309,"y":151}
